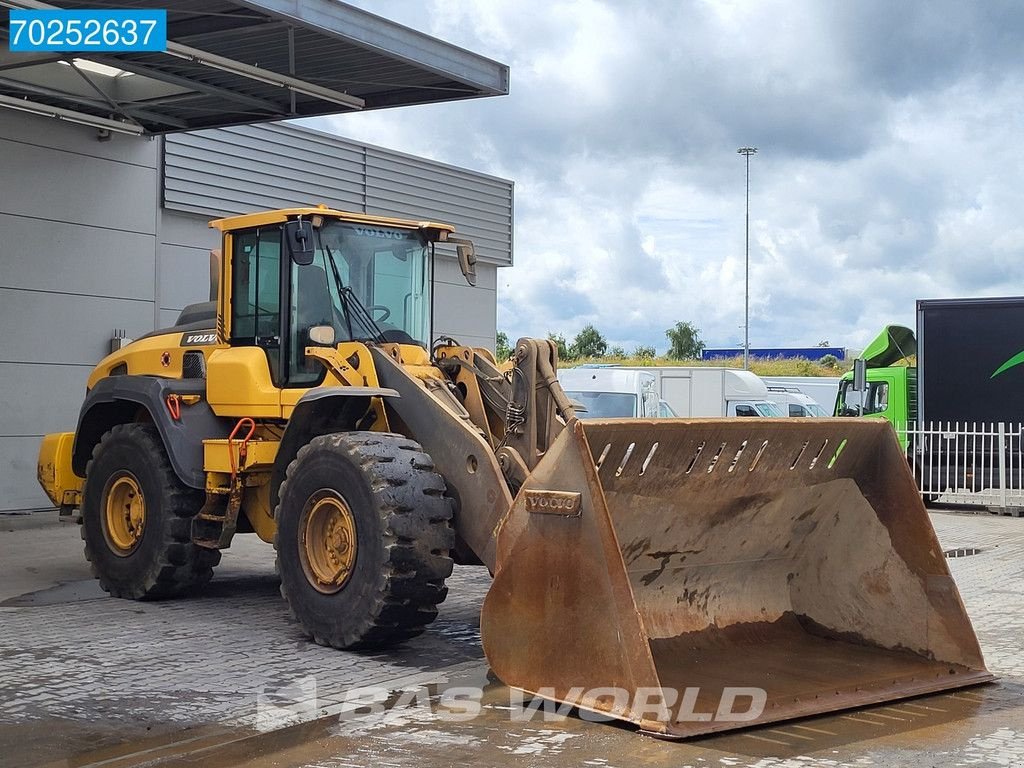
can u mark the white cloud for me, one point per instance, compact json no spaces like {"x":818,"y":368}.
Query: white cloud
{"x":888,"y":167}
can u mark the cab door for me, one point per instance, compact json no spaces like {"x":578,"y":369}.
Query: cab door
{"x":244,"y":378}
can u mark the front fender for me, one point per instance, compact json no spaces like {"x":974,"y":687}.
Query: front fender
{"x":320,"y":411}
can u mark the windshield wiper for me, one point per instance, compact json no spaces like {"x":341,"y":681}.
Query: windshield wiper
{"x":351,"y":304}
{"x":356,"y":308}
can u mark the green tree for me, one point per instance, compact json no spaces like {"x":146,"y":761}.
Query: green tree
{"x":589,"y":343}
{"x":502,"y":351}
{"x":644,"y":353}
{"x":563,"y":349}
{"x":616,"y":351}
{"x":684,"y":341}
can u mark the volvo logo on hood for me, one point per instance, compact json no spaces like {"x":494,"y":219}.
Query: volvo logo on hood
{"x":198,"y":338}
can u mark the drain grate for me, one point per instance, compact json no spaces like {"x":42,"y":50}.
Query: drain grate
{"x":962,"y":552}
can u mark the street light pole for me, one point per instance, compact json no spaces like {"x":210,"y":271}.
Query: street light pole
{"x":747,"y":152}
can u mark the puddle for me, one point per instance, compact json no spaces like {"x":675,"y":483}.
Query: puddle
{"x":916,"y":723}
{"x":71,"y":592}
{"x":414,"y":730}
{"x":56,"y":742}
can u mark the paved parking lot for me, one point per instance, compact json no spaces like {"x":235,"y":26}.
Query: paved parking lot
{"x":226,"y":679}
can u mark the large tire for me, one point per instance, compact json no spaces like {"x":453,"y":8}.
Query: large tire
{"x":400,"y":522}
{"x":158,"y":558}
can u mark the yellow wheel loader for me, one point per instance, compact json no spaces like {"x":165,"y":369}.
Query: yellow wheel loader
{"x":688,"y":576}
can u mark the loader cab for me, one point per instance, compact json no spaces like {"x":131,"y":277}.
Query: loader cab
{"x":354,"y":281}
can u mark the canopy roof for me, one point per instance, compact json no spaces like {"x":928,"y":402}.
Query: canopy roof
{"x":231,"y":62}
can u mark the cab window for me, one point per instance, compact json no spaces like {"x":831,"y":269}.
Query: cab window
{"x":256,"y":292}
{"x":391,"y":287}
{"x":877,"y":400}
{"x":312,"y":304}
{"x":400,"y":293}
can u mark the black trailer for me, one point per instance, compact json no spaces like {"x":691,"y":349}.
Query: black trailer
{"x":970,"y":380}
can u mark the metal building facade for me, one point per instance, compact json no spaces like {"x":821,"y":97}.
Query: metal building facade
{"x":97,"y":236}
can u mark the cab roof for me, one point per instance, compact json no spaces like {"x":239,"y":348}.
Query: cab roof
{"x":281,"y":215}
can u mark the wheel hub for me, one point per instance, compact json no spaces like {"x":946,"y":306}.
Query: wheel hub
{"x":327,"y":544}
{"x":124,"y":517}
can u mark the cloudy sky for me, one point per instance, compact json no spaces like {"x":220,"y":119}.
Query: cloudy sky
{"x":888,"y":166}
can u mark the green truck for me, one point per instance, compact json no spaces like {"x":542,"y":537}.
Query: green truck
{"x":891,"y":391}
{"x":952,"y":391}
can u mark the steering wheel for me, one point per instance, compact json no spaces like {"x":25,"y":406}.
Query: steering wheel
{"x":379,"y":308}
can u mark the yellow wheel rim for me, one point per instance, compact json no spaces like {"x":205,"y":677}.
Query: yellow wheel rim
{"x":327,"y":543}
{"x":124,"y":513}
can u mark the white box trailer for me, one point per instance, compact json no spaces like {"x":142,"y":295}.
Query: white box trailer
{"x":689,"y":392}
{"x":701,"y":391}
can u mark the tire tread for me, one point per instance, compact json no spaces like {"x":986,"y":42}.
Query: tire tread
{"x":181,"y":565}
{"x":409,"y":498}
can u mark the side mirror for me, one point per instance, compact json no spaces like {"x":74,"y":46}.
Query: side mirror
{"x":298,"y":237}
{"x":467,"y":258}
{"x":858,"y":385}
{"x":860,"y":374}
{"x":322,"y":335}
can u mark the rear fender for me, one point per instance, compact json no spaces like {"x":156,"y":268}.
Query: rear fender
{"x":54,"y":470}
{"x":125,"y":399}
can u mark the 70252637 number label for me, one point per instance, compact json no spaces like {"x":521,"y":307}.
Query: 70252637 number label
{"x":94,"y":30}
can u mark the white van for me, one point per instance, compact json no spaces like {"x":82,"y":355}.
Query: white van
{"x":795,"y":403}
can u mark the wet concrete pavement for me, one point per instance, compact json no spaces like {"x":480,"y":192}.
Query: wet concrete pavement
{"x":226,"y":679}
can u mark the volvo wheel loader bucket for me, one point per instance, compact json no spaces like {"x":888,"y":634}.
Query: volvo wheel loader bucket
{"x":698,"y":576}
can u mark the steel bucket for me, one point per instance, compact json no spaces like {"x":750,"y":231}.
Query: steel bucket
{"x":694,"y":576}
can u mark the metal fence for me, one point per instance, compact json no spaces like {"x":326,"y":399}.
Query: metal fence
{"x":967,"y":463}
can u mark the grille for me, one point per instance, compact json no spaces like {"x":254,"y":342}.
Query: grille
{"x":912,"y":414}
{"x":193,"y":365}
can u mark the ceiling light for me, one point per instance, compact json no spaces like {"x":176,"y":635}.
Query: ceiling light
{"x":97,"y":68}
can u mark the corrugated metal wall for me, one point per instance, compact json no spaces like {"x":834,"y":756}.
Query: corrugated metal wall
{"x":237,"y":170}
{"x":78,"y":222}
